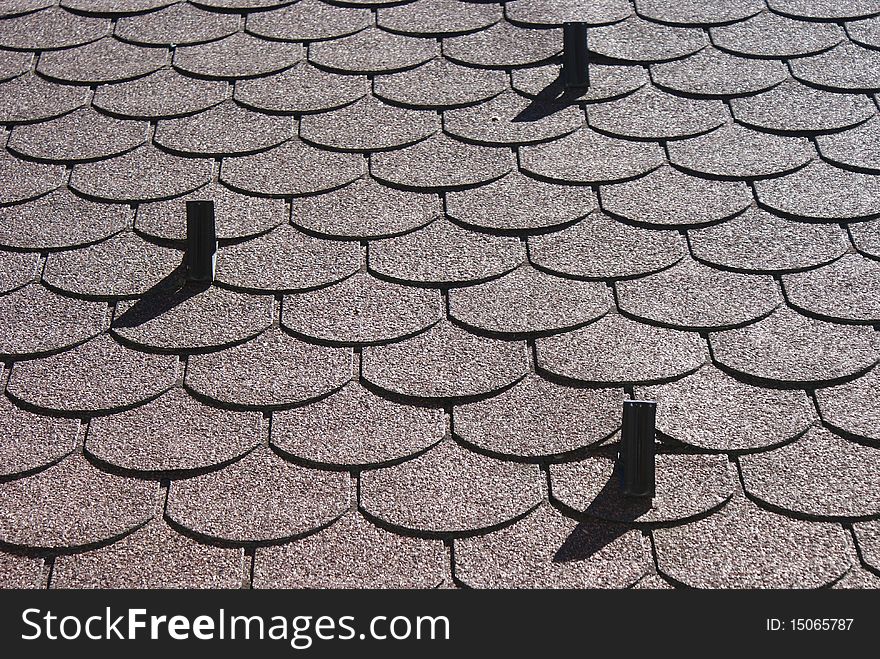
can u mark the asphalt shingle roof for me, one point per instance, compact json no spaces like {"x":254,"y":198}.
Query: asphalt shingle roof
{"x":440,"y":273}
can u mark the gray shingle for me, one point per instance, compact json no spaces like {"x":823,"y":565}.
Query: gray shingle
{"x":743,"y":546}
{"x":244,"y":4}
{"x":512,"y":119}
{"x":78,"y":380}
{"x":260,"y":498}
{"x":17,"y":269}
{"x":649,"y":113}
{"x":857,"y":578}
{"x":712,"y":72}
{"x":368,"y":125}
{"x":308,"y":20}
{"x":607,"y":81}
{"x":788,"y":347}
{"x":760,"y":241}
{"x":819,"y":475}
{"x":698,"y":12}
{"x":59,"y":220}
{"x":695,"y":296}
{"x":352,"y":553}
{"x":286,"y":259}
{"x":362,"y":310}
{"x":536,"y":418}
{"x":23,"y":180}
{"x":857,"y":148}
{"x":239,"y":55}
{"x":593,"y":353}
{"x":846,"y":67}
{"x":105,"y":60}
{"x":444,"y":254}
{"x":35,"y":321}
{"x":372,"y":51}
{"x":301,"y":88}
{"x":18,"y":571}
{"x":822,"y":192}
{"x":735,"y":151}
{"x":668,"y":197}
{"x":30,"y":98}
{"x":290,"y":169}
{"x":359,"y":3}
{"x":557,"y":12}
{"x":247,"y":375}
{"x":853,"y":407}
{"x":599,"y":247}
{"x":450,"y":490}
{"x":366,"y":209}
{"x":173,"y":433}
{"x":770,"y":35}
{"x":846,"y":290}
{"x":437,"y":17}
{"x":586,"y":156}
{"x":17,"y":7}
{"x":14,"y":64}
{"x":865,"y":32}
{"x":687,"y":486}
{"x":31,"y":441}
{"x":440,"y":83}
{"x":184,"y":319}
{"x":528,"y":301}
{"x":177,"y":25}
{"x":50,"y":29}
{"x":445,"y":362}
{"x":503,"y":45}
{"x":792,"y":107}
{"x":441,"y":162}
{"x":711,"y":410}
{"x":72,"y":504}
{"x":652,"y":581}
{"x":637,"y":40}
{"x":549,"y":550}
{"x":154,"y":556}
{"x":236,"y":215}
{"x":165,"y":93}
{"x":114,"y":6}
{"x":226,"y":129}
{"x":868,"y":535}
{"x":145,"y":174}
{"x":80,"y":135}
{"x":825,"y":9}
{"x":866,"y":237}
{"x":354,"y":427}
{"x":520,"y":203}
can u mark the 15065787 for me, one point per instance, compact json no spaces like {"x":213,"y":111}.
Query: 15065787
{"x":809,"y":624}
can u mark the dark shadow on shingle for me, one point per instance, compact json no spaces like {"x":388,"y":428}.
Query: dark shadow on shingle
{"x":553,"y":98}
{"x":589,"y":537}
{"x":161,"y":298}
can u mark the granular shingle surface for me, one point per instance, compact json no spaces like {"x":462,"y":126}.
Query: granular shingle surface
{"x":820,"y":475}
{"x":695,"y":296}
{"x":354,"y":426}
{"x":439,"y":274}
{"x":173,"y":433}
{"x":352,"y":553}
{"x":687,"y":486}
{"x":853,"y":407}
{"x":31,"y":441}
{"x":712,"y":410}
{"x":259,"y":498}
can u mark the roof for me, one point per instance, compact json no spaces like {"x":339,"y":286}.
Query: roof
{"x":440,"y":274}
